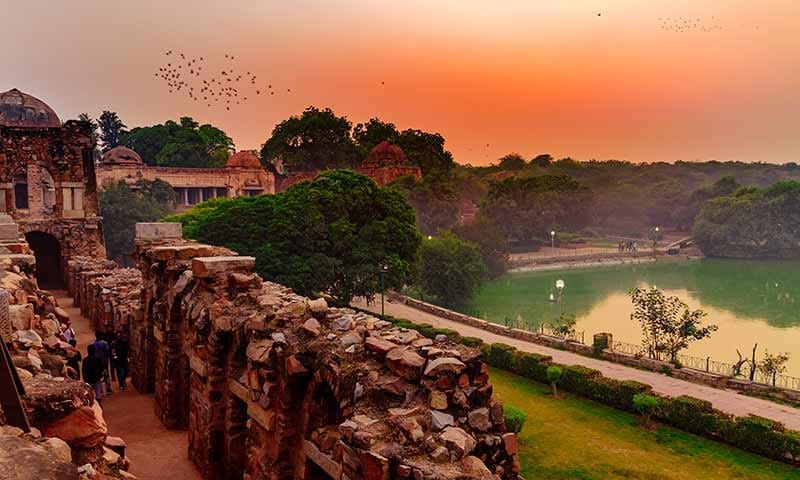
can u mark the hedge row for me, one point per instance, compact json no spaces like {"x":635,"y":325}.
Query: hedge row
{"x":752,"y":433}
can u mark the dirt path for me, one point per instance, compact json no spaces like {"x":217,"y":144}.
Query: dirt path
{"x":726,"y":400}
{"x":155,"y":452}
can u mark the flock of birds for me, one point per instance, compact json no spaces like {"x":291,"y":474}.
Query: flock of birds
{"x":226,"y":87}
{"x":689,"y":24}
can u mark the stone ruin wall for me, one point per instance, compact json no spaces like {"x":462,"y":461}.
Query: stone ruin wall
{"x":272,"y":385}
{"x":68,"y":438}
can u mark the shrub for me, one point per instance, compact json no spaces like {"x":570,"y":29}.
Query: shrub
{"x":451,"y":334}
{"x":554,"y":374}
{"x":646,"y":405}
{"x":473,"y":342}
{"x":531,"y":365}
{"x":762,"y":436}
{"x":691,"y":414}
{"x":499,"y":355}
{"x":514,"y":418}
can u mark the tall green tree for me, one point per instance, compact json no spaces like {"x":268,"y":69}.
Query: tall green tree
{"x":111,"y":127}
{"x":426,"y":150}
{"x":331,"y":234}
{"x":434,"y":198}
{"x":450,"y":269}
{"x":526,"y":208}
{"x":493,"y":245}
{"x":752,"y":223}
{"x":373,"y":132}
{"x":122,"y":207}
{"x":668,"y":325}
{"x":315,"y":140}
{"x":512,"y":162}
{"x":185,"y":143}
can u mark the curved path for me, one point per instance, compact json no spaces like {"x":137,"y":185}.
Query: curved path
{"x":155,"y":453}
{"x":728,"y":401}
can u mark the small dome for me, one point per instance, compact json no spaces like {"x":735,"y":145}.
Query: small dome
{"x":385,"y":154}
{"x":244,"y":159}
{"x":122,"y":156}
{"x":19,"y":109}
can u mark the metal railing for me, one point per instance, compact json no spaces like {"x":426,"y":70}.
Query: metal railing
{"x":712,"y":366}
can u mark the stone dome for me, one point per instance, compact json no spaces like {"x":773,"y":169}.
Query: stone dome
{"x":122,"y":156}
{"x":19,"y":109}
{"x":244,"y":159}
{"x":385,"y":154}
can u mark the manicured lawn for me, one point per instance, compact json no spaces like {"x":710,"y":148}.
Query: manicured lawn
{"x":573,"y":438}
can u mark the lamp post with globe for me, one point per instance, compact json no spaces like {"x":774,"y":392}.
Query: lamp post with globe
{"x":560,"y":287}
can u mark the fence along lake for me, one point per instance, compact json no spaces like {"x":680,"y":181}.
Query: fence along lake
{"x":749,"y":300}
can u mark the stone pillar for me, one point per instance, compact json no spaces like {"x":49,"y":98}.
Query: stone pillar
{"x":603,"y":341}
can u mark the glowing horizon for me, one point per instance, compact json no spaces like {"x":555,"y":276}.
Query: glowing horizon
{"x":531,"y":77}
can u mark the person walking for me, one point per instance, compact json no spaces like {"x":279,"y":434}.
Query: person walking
{"x":74,"y":358}
{"x":119,"y":360}
{"x":92,"y":368}
{"x":69,"y":333}
{"x":102,"y":351}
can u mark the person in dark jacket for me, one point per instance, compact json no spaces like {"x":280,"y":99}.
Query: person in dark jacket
{"x":102,"y":350}
{"x":93,"y":372}
{"x":119,"y":360}
{"x":74,"y":358}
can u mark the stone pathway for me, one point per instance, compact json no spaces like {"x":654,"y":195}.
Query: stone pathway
{"x":725,"y":400}
{"x":155,"y":452}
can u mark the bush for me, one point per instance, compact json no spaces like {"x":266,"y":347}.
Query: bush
{"x":646,"y":405}
{"x":762,"y":436}
{"x":531,"y":365}
{"x":473,"y":342}
{"x":514,"y":418}
{"x":499,"y":355}
{"x":691,"y":414}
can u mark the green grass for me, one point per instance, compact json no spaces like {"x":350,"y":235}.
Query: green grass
{"x":574,"y":438}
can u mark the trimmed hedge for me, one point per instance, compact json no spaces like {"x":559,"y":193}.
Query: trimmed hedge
{"x":752,"y":433}
{"x":514,"y":418}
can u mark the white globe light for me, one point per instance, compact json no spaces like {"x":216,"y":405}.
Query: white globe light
{"x":559,"y":284}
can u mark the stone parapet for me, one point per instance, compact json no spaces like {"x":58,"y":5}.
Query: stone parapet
{"x":274,"y":385}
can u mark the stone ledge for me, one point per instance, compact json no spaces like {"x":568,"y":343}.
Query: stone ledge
{"x":205,"y":267}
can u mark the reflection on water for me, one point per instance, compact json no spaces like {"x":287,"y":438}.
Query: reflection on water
{"x":750,"y":301}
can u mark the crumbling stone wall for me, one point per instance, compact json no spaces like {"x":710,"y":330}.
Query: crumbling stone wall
{"x":272,"y":385}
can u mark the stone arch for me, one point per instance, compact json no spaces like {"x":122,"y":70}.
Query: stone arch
{"x":47,"y":250}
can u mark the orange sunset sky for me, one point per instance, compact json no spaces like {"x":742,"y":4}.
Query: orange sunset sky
{"x":521,"y":76}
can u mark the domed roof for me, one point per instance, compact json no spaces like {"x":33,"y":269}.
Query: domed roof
{"x":19,"y":109}
{"x":244,"y":159}
{"x":122,"y":156}
{"x":385,"y":154}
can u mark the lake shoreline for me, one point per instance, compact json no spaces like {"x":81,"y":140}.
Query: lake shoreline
{"x":602,"y":262}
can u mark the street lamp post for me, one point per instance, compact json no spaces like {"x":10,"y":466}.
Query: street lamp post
{"x":381,"y":273}
{"x":552,"y":239}
{"x":560,"y":287}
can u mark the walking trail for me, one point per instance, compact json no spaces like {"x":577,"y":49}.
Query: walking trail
{"x":727,"y":401}
{"x":155,"y":453}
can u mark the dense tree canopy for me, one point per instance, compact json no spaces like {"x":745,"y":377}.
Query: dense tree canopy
{"x":491,"y":242}
{"x":426,"y":150}
{"x":512,"y":162}
{"x":435,"y":200}
{"x":525,"y":209}
{"x":752,"y":223}
{"x":316,"y":140}
{"x":373,"y":132}
{"x":450,"y":269}
{"x":111,"y":128}
{"x":180,"y":144}
{"x":122,"y":207}
{"x":331,"y":234}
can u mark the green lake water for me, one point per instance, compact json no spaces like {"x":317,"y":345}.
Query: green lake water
{"x":750,"y":301}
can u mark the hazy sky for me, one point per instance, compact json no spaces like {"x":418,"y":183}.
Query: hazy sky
{"x":527,"y":76}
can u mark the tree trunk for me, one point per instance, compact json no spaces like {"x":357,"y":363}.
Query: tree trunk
{"x":753,"y":364}
{"x":555,"y":389}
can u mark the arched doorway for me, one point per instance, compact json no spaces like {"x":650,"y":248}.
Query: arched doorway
{"x":47,"y":251}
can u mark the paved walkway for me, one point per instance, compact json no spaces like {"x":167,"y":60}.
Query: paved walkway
{"x":726,"y":400}
{"x":155,"y":453}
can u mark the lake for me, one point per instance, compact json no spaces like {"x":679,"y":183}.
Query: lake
{"x":750,"y":301}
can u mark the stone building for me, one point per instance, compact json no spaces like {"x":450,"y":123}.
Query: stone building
{"x":47,"y":183}
{"x":243,"y":175}
{"x":385,"y":163}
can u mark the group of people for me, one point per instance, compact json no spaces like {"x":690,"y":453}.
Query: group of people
{"x":627,"y":246}
{"x":106,"y":359}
